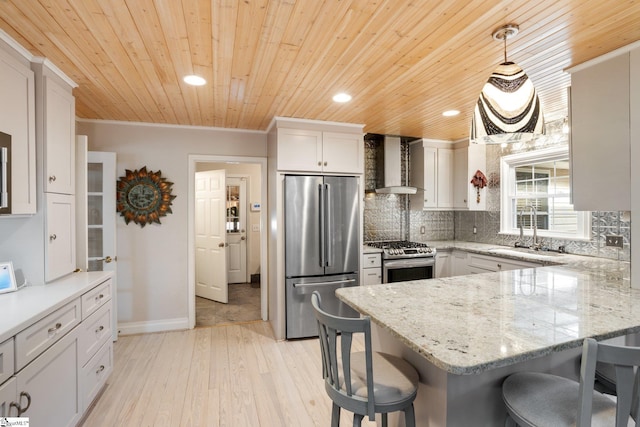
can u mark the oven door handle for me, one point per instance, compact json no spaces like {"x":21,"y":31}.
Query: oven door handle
{"x":412,"y":262}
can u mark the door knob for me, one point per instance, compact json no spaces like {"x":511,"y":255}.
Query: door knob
{"x":107,"y":259}
{"x":221,"y":245}
{"x":243,"y":238}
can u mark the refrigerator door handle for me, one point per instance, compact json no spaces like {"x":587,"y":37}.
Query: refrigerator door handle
{"x":315,"y":284}
{"x":328,"y":241}
{"x":322,"y":225}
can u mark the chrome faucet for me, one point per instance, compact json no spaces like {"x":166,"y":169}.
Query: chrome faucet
{"x":536,"y":245}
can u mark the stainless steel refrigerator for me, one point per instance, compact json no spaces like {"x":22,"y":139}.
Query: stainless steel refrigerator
{"x":322,"y":226}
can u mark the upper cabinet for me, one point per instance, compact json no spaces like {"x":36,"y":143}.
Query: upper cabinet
{"x":17,"y":119}
{"x":313,"y":146}
{"x":432,"y":173}
{"x":467,"y":160}
{"x":604,"y":100}
{"x":56,"y":120}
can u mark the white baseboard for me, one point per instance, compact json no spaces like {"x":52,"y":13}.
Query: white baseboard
{"x":153,"y":326}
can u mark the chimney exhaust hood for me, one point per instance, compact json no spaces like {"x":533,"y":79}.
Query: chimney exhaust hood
{"x":393,"y":169}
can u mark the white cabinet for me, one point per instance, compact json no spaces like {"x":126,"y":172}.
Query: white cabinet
{"x":601,"y":119}
{"x":467,"y":159}
{"x":51,"y":383}
{"x":372,"y":269}
{"x":8,"y":399}
{"x":484,"y":263}
{"x":320,"y":151}
{"x":459,"y":263}
{"x":17,"y":118}
{"x":62,"y":360}
{"x":60,"y":241}
{"x":432,"y":173}
{"x":59,"y":137}
{"x":443,"y":264}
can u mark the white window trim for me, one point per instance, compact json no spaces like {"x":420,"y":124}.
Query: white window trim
{"x":507,"y":174}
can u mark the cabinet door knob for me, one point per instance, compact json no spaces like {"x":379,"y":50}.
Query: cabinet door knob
{"x":319,"y":163}
{"x":499,"y":265}
{"x":52,"y":237}
{"x":325,"y":163}
{"x":100,"y":329}
{"x":52,"y":330}
{"x":14,"y":405}
{"x":52,"y":178}
{"x":100,"y":369}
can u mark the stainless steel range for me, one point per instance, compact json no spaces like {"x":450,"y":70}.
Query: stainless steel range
{"x":403,"y":260}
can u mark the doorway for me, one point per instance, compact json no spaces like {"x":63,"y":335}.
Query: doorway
{"x":242,"y":223}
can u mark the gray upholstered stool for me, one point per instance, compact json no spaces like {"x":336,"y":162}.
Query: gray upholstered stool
{"x":544,"y":400}
{"x":365,"y":382}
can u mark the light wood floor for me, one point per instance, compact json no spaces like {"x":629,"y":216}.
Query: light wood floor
{"x":233,"y":375}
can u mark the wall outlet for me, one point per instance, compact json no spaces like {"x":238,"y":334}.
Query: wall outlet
{"x":475,"y":230}
{"x":423,"y":229}
{"x":614,"y":240}
{"x":255,"y":228}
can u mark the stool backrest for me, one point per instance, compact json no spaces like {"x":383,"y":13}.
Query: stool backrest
{"x":626,"y":361}
{"x":336,"y":368}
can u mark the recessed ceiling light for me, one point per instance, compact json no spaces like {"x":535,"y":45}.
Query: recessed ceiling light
{"x":194,"y":80}
{"x":451,"y":113}
{"x":342,"y":97}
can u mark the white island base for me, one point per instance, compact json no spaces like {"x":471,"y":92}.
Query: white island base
{"x":446,"y":399}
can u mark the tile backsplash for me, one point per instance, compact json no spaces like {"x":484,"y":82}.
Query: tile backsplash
{"x":387,"y":217}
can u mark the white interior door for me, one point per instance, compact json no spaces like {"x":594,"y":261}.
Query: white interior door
{"x":236,"y":229}
{"x":210,"y":236}
{"x":101,"y":219}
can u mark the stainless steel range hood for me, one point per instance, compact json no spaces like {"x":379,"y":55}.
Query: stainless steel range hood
{"x":393,"y":169}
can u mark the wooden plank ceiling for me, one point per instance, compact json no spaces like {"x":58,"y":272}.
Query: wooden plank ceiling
{"x":404,"y":61}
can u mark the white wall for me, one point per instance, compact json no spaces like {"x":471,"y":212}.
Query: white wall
{"x":152,"y":278}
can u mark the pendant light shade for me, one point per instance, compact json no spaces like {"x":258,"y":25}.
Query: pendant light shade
{"x":508,"y":109}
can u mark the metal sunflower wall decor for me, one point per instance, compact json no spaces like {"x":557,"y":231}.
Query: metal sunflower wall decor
{"x":143,"y":196}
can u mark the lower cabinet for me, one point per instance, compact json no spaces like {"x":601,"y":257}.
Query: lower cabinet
{"x":48,"y":387}
{"x":443,"y":264}
{"x":372,"y":269}
{"x":61,"y":361}
{"x":8,"y":393}
{"x":485,"y":263}
{"x":461,"y":263}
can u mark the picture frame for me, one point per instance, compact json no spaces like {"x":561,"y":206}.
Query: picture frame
{"x":7,"y":277}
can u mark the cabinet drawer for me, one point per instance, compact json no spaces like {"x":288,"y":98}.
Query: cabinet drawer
{"x":95,"y":298}
{"x":44,"y":333}
{"x":94,"y":332}
{"x":371,"y":260}
{"x":6,"y":360}
{"x":95,"y":373}
{"x":372,"y":276}
{"x":498,"y":264}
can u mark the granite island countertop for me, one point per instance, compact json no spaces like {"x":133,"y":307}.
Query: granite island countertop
{"x":471,"y":324}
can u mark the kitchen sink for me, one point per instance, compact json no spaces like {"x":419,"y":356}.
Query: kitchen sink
{"x":524,"y":251}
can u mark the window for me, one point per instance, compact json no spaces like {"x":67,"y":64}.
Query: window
{"x":536,"y":189}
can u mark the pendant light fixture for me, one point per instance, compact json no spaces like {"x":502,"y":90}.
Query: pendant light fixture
{"x":508,"y":109}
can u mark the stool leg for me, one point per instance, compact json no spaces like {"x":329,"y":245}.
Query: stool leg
{"x":357,"y":420}
{"x":335,"y":416}
{"x":409,"y":416}
{"x":509,"y":422}
{"x":384,"y":420}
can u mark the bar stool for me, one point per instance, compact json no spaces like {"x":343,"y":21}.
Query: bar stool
{"x":544,"y":400}
{"x":365,"y":382}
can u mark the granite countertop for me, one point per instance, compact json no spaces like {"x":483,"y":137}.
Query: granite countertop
{"x":366,"y":249}
{"x":470,"y":324}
